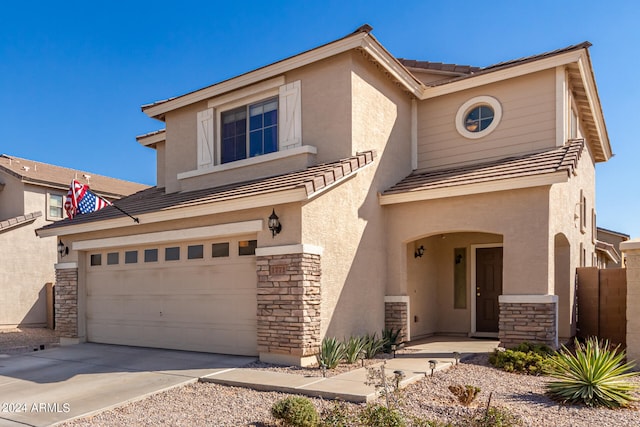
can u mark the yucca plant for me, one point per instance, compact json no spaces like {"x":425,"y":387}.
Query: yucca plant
{"x":352,"y":348}
{"x":331,"y":353}
{"x":595,"y":375}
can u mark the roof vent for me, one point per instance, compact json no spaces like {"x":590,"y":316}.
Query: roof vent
{"x":26,"y":168}
{"x":87,"y":177}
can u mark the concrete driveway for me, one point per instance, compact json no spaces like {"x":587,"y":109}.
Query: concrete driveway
{"x":47,"y":387}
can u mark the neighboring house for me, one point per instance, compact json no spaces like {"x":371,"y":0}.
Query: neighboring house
{"x":32,"y":196}
{"x":435,"y":198}
{"x":608,"y":254}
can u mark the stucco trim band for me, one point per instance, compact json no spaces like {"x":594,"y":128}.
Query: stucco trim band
{"x":289,"y":249}
{"x":397,"y":298}
{"x":528,"y":299}
{"x":210,"y":231}
{"x":65,"y":265}
{"x":630,"y":245}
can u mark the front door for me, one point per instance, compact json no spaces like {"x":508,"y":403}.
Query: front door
{"x":488,"y":288}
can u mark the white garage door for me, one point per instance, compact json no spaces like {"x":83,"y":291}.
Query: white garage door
{"x":191,"y":296}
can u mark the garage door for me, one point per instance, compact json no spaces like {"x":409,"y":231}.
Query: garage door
{"x":193,"y":296}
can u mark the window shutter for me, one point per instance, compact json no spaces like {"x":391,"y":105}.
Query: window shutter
{"x":290,"y":116}
{"x":205,"y":138}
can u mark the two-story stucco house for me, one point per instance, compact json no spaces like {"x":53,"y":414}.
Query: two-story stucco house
{"x":430,"y":197}
{"x":32,"y":196}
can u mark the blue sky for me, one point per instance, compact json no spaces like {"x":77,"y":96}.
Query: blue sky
{"x":74,"y":74}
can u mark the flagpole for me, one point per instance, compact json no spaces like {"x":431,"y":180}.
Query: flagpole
{"x":136,"y":220}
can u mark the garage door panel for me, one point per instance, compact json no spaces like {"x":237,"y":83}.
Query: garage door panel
{"x":200,"y":307}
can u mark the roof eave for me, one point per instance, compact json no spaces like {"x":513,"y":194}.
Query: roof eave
{"x":475,"y":188}
{"x":359,"y":40}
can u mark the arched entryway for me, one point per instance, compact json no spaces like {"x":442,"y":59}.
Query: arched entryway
{"x":453,"y":280}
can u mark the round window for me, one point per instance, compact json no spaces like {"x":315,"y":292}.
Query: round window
{"x":478,"y":117}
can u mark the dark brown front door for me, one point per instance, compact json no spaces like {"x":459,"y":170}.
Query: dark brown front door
{"x":488,"y":288}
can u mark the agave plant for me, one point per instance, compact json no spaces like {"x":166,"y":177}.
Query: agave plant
{"x":353,"y":347}
{"x":373,"y":345}
{"x":595,"y":375}
{"x":391,"y":337}
{"x":331,"y":353}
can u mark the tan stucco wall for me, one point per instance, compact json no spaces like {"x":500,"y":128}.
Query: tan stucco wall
{"x":564,"y":219}
{"x":631,"y":250}
{"x":527,"y":125}
{"x":348,"y":221}
{"x":11,"y":197}
{"x":26,"y":262}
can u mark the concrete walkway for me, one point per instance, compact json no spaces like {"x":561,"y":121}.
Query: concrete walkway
{"x":350,"y":386}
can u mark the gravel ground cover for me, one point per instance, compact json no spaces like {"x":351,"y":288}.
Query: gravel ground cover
{"x":24,"y":340}
{"x":206,"y":404}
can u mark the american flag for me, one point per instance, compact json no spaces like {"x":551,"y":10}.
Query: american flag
{"x":81,"y":201}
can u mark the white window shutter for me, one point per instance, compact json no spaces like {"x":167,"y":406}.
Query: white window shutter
{"x":205,"y":138}
{"x":290,"y":116}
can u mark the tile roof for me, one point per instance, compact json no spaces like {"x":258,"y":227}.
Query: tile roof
{"x":473,"y":71}
{"x":19,"y":220}
{"x":39,"y":173}
{"x":311,"y":180}
{"x":439,"y":66}
{"x":560,"y":159}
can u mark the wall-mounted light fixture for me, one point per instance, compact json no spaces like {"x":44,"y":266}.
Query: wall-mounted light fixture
{"x":274,"y":224}
{"x":419,"y":252}
{"x":63,"y":250}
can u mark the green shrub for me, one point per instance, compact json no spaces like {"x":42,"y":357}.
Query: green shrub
{"x":337,"y":415}
{"x":352,"y":349}
{"x":417,"y":422}
{"x":595,"y":376}
{"x":331,"y":353}
{"x":465,"y":394}
{"x":391,"y":337}
{"x":492,"y":417}
{"x":372,"y":345}
{"x":381,"y":416}
{"x":526,"y":358}
{"x":295,"y":411}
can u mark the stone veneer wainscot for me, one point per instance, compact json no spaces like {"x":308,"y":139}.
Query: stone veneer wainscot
{"x":530,"y":318}
{"x":66,"y":300}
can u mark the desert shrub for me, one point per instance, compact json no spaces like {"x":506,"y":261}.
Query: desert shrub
{"x":391,"y":337}
{"x":465,"y":394}
{"x":372,"y":345}
{"x":492,"y":417}
{"x":331,"y":353}
{"x":595,"y":375}
{"x":338,"y":415}
{"x":381,"y":416}
{"x":295,"y":411}
{"x":352,"y":348}
{"x":526,"y":358}
{"x":417,"y":422}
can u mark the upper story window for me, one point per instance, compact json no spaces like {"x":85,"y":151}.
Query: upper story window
{"x":242,"y":138}
{"x":478,"y":117}
{"x":55,"y":207}
{"x":250,"y":122}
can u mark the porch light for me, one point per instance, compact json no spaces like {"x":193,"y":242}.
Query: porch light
{"x":419,"y":252}
{"x":62,"y":249}
{"x":274,"y":224}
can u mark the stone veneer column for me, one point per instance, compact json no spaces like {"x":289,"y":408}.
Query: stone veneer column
{"x":531,"y":318}
{"x":631,"y":251}
{"x":396,"y":315}
{"x":66,"y":300}
{"x":288,"y":304}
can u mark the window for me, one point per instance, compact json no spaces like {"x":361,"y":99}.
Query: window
{"x":195,"y":252}
{"x":220,"y":250}
{"x":261,"y":128}
{"x":96,"y":259}
{"x":131,"y":257}
{"x":247,"y":247}
{"x":478,"y":117}
{"x":55,"y":206}
{"x":172,"y":254}
{"x":150,"y":255}
{"x":113,"y":258}
{"x":247,"y":123}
